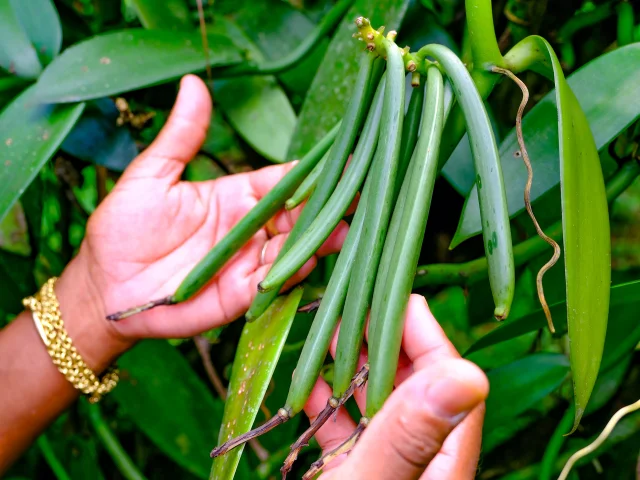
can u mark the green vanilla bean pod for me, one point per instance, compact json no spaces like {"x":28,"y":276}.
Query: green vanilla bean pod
{"x":306,"y":187}
{"x":410,"y":132}
{"x":368,"y":77}
{"x":242,"y":232}
{"x":402,"y":247}
{"x":326,"y":319}
{"x":379,"y":205}
{"x":493,"y":203}
{"x":319,"y":337}
{"x":335,"y":208}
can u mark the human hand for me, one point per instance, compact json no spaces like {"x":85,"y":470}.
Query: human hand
{"x":430,"y":427}
{"x":153,"y":228}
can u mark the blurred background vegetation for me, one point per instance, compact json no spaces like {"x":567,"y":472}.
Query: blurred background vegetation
{"x":166,"y":412}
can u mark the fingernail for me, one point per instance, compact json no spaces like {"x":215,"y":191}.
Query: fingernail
{"x":451,"y":399}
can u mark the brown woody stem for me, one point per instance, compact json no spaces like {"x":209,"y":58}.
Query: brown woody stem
{"x":310,"y":307}
{"x":333,"y":404}
{"x":281,"y":417}
{"x":345,"y":447}
{"x":142,"y":308}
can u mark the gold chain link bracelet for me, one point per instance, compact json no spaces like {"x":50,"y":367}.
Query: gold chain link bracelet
{"x":48,"y":320}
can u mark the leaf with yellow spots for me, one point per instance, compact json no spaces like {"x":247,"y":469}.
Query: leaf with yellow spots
{"x":258,"y":352}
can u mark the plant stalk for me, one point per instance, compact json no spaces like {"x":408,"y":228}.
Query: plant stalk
{"x":474,"y":270}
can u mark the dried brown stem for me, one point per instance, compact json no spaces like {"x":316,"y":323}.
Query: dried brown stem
{"x":310,"y":307}
{"x":281,"y":417}
{"x":204,"y":349}
{"x":333,"y":404}
{"x":527,"y":194}
{"x":345,"y":447}
{"x":142,"y":308}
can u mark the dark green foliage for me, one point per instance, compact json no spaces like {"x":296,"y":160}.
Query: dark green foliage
{"x":61,"y":72}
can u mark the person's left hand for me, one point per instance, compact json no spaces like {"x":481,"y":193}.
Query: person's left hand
{"x":153,"y":228}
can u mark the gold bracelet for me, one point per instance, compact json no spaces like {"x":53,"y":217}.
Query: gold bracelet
{"x":48,"y":320}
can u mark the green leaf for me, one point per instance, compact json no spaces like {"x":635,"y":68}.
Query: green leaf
{"x":332,"y":86}
{"x":30,"y":134}
{"x":163,"y":396}
{"x":256,"y":358}
{"x":165,"y":15}
{"x":41,"y":23}
{"x":259,"y":110}
{"x":586,"y":238}
{"x":620,"y":338}
{"x":606,"y":89}
{"x":256,"y":106}
{"x":277,"y":28}
{"x":98,"y":139}
{"x":117,"y":62}
{"x":17,"y":55}
{"x":516,"y":387}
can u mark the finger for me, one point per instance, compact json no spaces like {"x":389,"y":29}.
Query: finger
{"x":359,"y":394}
{"x":458,"y":457}
{"x":423,"y":340}
{"x":337,"y":428}
{"x":180,"y":138}
{"x":274,"y":245}
{"x":410,"y":430}
{"x":263,"y":180}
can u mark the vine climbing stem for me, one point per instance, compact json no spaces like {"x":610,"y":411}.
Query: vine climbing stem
{"x":482,"y":35}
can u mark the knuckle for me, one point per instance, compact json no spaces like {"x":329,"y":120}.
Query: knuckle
{"x":418,"y":434}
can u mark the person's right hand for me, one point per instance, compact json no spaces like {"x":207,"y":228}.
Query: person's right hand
{"x":430,"y":427}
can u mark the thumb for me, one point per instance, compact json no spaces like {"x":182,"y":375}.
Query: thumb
{"x":409,"y":431}
{"x":180,"y":138}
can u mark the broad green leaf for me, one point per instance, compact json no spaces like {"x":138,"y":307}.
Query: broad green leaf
{"x":17,"y":55}
{"x":623,"y":332}
{"x":516,"y":387}
{"x":164,"y":397}
{"x":608,"y":92}
{"x":586,"y":238}
{"x":165,"y":15}
{"x":117,"y":62}
{"x":256,"y":358}
{"x":30,"y":133}
{"x":608,"y":384}
{"x":256,"y":106}
{"x":259,"y":110}
{"x":277,"y":28}
{"x":332,"y":86}
{"x":41,"y":23}
{"x":96,"y":138}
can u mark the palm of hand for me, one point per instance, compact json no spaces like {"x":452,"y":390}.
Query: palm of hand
{"x":143,"y":245}
{"x":152,"y":229}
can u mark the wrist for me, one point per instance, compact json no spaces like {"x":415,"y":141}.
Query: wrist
{"x":83,"y":311}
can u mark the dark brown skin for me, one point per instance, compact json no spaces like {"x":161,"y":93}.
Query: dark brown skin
{"x":141,"y":242}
